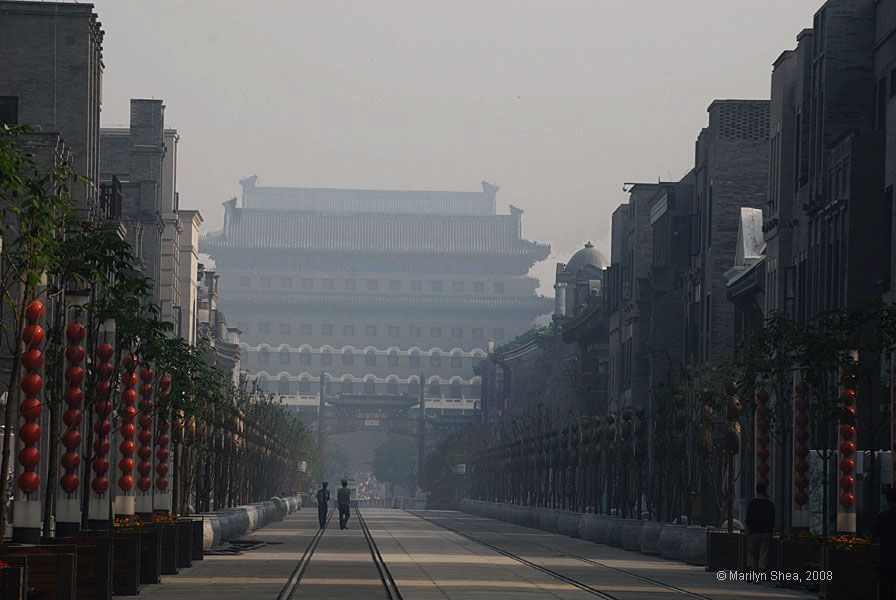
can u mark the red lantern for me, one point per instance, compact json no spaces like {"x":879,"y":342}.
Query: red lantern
{"x":30,"y":409}
{"x":847,"y":448}
{"x":33,"y":335}
{"x":801,"y":498}
{"x":28,"y":482}
{"x":847,"y":500}
{"x":125,"y":483}
{"x":30,"y":433}
{"x":126,"y":465}
{"x":34,"y":311}
{"x":848,"y":482}
{"x":100,"y":485}
{"x":144,"y":483}
{"x":162,"y":483}
{"x":32,"y":384}
{"x":33,"y":359}
{"x":29,"y":457}
{"x":75,"y":354}
{"x":71,"y":461}
{"x":75,"y":333}
{"x":100,"y":465}
{"x":71,"y":438}
{"x":72,"y":418}
{"x":69,"y":483}
{"x":104,"y":351}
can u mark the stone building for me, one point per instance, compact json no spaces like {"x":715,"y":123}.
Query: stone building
{"x":50,"y":79}
{"x":142,"y":160}
{"x":730,"y":172}
{"x":559,"y":371}
{"x":373,"y":287}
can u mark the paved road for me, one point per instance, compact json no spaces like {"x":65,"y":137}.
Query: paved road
{"x":443,"y":554}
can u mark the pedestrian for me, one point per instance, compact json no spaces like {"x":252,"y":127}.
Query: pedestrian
{"x":760,"y":523}
{"x":323,"y":500}
{"x":884,"y":529}
{"x":343,"y":501}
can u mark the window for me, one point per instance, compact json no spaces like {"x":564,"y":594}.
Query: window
{"x":264,"y":357}
{"x":264,"y":282}
{"x":306,"y":328}
{"x":307,"y":283}
{"x":414,"y":360}
{"x":393,"y":360}
{"x":438,"y":286}
{"x":457,"y":333}
{"x":305,"y":357}
{"x":392,"y":387}
{"x":349,"y":284}
{"x":9,"y":110}
{"x":286,"y":282}
{"x":373,"y":285}
{"x":326,"y":284}
{"x":414,"y":388}
{"x":477,"y":333}
{"x":415,"y":332}
{"x":244,"y":281}
{"x":369,"y":386}
{"x":435,"y":361}
{"x":284,"y":357}
{"x":370,"y":330}
{"x":285,"y":328}
{"x":498,"y":287}
{"x":370,"y":359}
{"x":393,"y":331}
{"x":347,"y":387}
{"x":498,"y":333}
{"x":283,"y":386}
{"x":304,"y":387}
{"x":457,"y":287}
{"x":416,"y":286}
{"x":455,"y":391}
{"x":348,"y":358}
{"x":478,"y":287}
{"x":326,"y":358}
{"x":435,"y":390}
{"x":324,"y":329}
{"x":457,"y":362}
{"x":264,"y":328}
{"x":435,"y":332}
{"x":348,"y":330}
{"x":394,"y":285}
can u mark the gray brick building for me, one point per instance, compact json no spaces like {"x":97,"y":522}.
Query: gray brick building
{"x":50,"y":79}
{"x":731,"y":171}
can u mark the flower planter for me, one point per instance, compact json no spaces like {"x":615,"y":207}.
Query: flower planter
{"x":614,"y":531}
{"x":693,"y":545}
{"x":599,"y":528}
{"x":853,"y":574}
{"x":94,"y":566}
{"x":725,"y":551}
{"x":13,"y":582}
{"x":169,"y":547}
{"x":185,"y":543}
{"x":798,"y":556}
{"x":150,"y":554}
{"x":198,"y":537}
{"x":670,"y":541}
{"x":49,"y":573}
{"x":631,"y":534}
{"x":125,"y":562}
{"x":650,"y":537}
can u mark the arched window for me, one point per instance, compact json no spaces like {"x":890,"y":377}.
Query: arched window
{"x":455,"y":391}
{"x":305,"y":386}
{"x":264,"y":357}
{"x":369,"y":386}
{"x":284,"y":357}
{"x":414,"y":389}
{"x":392,"y":387}
{"x":283,"y":385}
{"x":435,"y":389}
{"x":347,"y":387}
{"x":305,"y":357}
{"x":370,"y":358}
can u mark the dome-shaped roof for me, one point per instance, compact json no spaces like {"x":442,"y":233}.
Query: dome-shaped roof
{"x":589,"y":256}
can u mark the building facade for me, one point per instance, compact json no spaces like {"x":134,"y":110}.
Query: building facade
{"x":50,"y":80}
{"x":372,"y":288}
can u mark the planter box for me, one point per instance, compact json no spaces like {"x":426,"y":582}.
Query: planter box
{"x":184,"y":543}
{"x":125,"y":563}
{"x":50,"y":574}
{"x":94,"y":566}
{"x":169,"y":548}
{"x":13,"y":581}
{"x":854,"y":575}
{"x":150,"y":554}
{"x":725,"y":551}
{"x":198,"y":537}
{"x":798,"y":556}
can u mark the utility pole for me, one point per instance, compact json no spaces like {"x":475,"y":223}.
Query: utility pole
{"x":421,"y":435}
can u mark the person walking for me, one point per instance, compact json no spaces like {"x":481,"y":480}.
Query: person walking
{"x":323,"y":500}
{"x":343,"y":501}
{"x":884,"y":529}
{"x":760,"y":523}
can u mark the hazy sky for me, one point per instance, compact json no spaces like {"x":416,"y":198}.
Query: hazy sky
{"x":558,"y":102}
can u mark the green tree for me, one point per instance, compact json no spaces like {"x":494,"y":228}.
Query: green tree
{"x":395,"y":462}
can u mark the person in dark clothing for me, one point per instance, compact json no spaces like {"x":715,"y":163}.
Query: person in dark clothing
{"x":760,"y":523}
{"x":343,"y":501}
{"x":884,"y":528}
{"x":323,"y":500}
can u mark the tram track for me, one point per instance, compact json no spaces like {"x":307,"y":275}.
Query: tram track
{"x":551,"y":572}
{"x":296,"y":576}
{"x":389,"y":585}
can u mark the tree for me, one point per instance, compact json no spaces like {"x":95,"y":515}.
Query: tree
{"x":395,"y":462}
